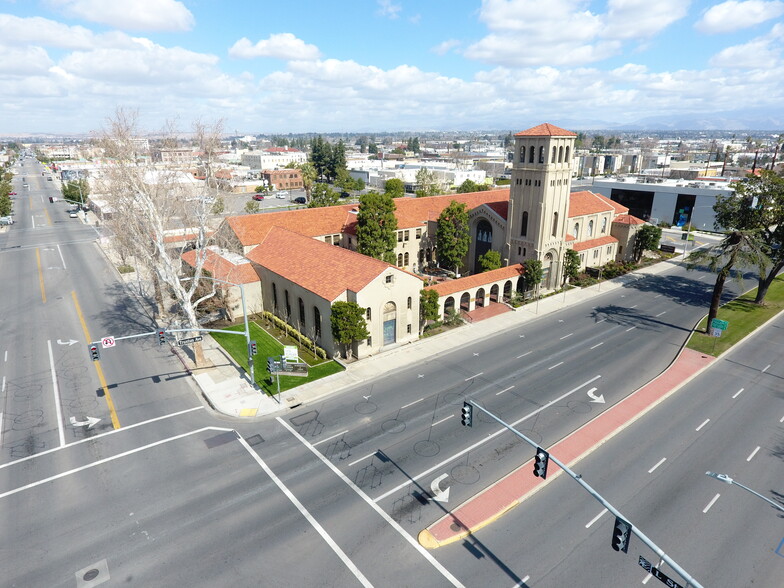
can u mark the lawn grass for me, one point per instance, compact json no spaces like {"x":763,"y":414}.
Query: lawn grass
{"x":743,"y":316}
{"x":268,"y":346}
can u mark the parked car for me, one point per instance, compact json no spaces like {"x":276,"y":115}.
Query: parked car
{"x":282,"y":195}
{"x":344,"y":194}
{"x":258,"y":196}
{"x":6,"y":220}
{"x":73,"y":214}
{"x":300,"y":200}
{"x":12,"y":193}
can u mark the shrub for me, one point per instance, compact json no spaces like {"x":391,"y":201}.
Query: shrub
{"x":125,"y":268}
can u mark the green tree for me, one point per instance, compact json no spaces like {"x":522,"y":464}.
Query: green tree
{"x":490,"y":261}
{"x":532,"y":274}
{"x":427,"y":182}
{"x":571,"y":265}
{"x":395,"y":188}
{"x":468,"y":186}
{"x":336,"y":160}
{"x":377,"y":226}
{"x":320,"y":156}
{"x":452,"y":235}
{"x":646,"y":239}
{"x":6,"y":206}
{"x":758,"y":204}
{"x":372,"y":148}
{"x":348,"y":325}
{"x":219,"y":206}
{"x":738,"y":248}
{"x":261,"y":189}
{"x":76,"y":191}
{"x":251,"y":207}
{"x":323,"y":195}
{"x":428,"y":308}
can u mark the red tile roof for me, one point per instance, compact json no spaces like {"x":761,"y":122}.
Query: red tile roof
{"x":184,"y":237}
{"x":584,"y":202}
{"x":325,"y":270}
{"x":501,"y":208}
{"x":467,"y":283}
{"x":545,"y":130}
{"x":592,"y":243}
{"x":222,"y":268}
{"x":412,"y":212}
{"x":628,"y":219}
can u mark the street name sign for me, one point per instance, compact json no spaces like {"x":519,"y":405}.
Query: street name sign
{"x":108,"y":342}
{"x":720,"y":324}
{"x":658,"y":574}
{"x":189,"y":340}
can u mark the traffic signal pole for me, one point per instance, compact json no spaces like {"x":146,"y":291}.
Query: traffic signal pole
{"x":579,"y":479}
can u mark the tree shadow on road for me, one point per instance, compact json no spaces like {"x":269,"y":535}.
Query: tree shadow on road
{"x":123,"y":315}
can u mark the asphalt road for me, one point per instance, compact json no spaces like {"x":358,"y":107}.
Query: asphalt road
{"x":331,"y":494}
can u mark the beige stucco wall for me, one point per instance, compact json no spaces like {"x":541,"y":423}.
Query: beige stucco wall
{"x":253,"y":300}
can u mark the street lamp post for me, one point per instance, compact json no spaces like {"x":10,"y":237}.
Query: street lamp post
{"x":728,"y":480}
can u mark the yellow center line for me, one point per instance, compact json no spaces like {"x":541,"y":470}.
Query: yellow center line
{"x":97,"y":364}
{"x":48,"y":219}
{"x":40,"y":274}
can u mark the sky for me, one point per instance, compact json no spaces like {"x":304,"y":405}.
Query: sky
{"x":260,"y":66}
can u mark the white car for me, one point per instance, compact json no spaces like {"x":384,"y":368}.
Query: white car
{"x":73,"y":214}
{"x":6,"y":220}
{"x":282,"y":195}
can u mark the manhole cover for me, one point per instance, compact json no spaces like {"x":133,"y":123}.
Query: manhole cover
{"x":91,"y":575}
{"x":578,"y":406}
{"x":533,"y":435}
{"x":365,"y":407}
{"x":454,"y":398}
{"x":426,"y":448}
{"x":393,"y":426}
{"x":465,"y":474}
{"x":455,"y":527}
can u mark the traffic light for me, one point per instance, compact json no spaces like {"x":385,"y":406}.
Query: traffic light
{"x":252,"y":348}
{"x":621,"y":535}
{"x":161,"y":337}
{"x":467,"y":414}
{"x":95,"y":352}
{"x":541,"y":459}
{"x":271,"y":364}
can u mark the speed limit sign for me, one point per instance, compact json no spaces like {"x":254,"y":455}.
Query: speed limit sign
{"x":107,"y":342}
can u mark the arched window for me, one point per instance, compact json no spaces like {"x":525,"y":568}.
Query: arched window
{"x":408,"y":304}
{"x":531,"y":150}
{"x":604,"y":225}
{"x":566,"y":159}
{"x":590,"y":228}
{"x":524,"y":225}
{"x":367,"y":314}
{"x":552,"y":159}
{"x":301,"y":312}
{"x":399,"y":260}
{"x":522,"y":154}
{"x":317,"y":321}
{"x":288,"y":305}
{"x":274,"y":297}
{"x":576,"y":230}
{"x":405,"y":259}
{"x":560,"y":154}
{"x":541,"y":154}
{"x":555,"y":224}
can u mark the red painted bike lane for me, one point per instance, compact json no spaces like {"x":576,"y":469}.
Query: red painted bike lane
{"x":492,"y":502}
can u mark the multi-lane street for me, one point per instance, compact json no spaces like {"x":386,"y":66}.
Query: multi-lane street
{"x":164,"y":492}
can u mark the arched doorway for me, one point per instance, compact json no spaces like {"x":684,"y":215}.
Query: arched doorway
{"x":508,"y":291}
{"x":483,"y":241}
{"x":465,"y":302}
{"x":449,"y":306}
{"x":549,"y":273}
{"x":494,"y":293}
{"x":480,"y":298}
{"x":390,"y":323}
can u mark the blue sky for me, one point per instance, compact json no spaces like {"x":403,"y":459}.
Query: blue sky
{"x":386,"y":65}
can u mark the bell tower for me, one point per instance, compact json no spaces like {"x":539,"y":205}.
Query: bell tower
{"x":539,"y":199}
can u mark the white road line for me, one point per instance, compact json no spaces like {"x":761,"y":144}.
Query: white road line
{"x":33,"y":217}
{"x":94,"y":437}
{"x":566,"y":336}
{"x":442,"y":420}
{"x":5,"y":355}
{"x":61,"y":256}
{"x":3,"y":389}
{"x":701,"y":278}
{"x":596,"y":518}
{"x":504,"y":390}
{"x":646,"y":578}
{"x":332,"y":437}
{"x":738,"y":393}
{"x":597,"y":345}
{"x":630,"y":329}
{"x":705,"y":422}
{"x":1,"y":429}
{"x":106,"y":460}
{"x":361,"y":458}
{"x":753,"y":453}
{"x":483,"y":441}
{"x":309,"y":517}
{"x":766,"y":368}
{"x":58,"y":409}
{"x":526,"y":579}
{"x":413,"y":542}
{"x":635,"y":306}
{"x":661,"y":313}
{"x":707,"y":508}
{"x":781,"y":420}
{"x":658,"y":295}
{"x":658,"y":463}
{"x":555,"y":366}
{"x":474,"y":376}
{"x":524,"y":354}
{"x":601,"y":321}
{"x":412,"y":403}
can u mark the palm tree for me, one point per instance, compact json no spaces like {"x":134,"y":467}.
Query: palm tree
{"x":740,"y":247}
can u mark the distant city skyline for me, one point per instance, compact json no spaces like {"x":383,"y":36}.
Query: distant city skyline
{"x":376,"y":66}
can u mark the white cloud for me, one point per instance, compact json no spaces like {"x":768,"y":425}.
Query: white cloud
{"x":16,"y":31}
{"x":24,"y":61}
{"x":389,"y":9}
{"x":282,"y":46}
{"x":445,"y":47}
{"x":633,"y":19}
{"x":754,"y":54}
{"x":137,"y":15}
{"x":733,"y":15}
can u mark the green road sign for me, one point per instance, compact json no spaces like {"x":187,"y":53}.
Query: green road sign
{"x":719,"y":324}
